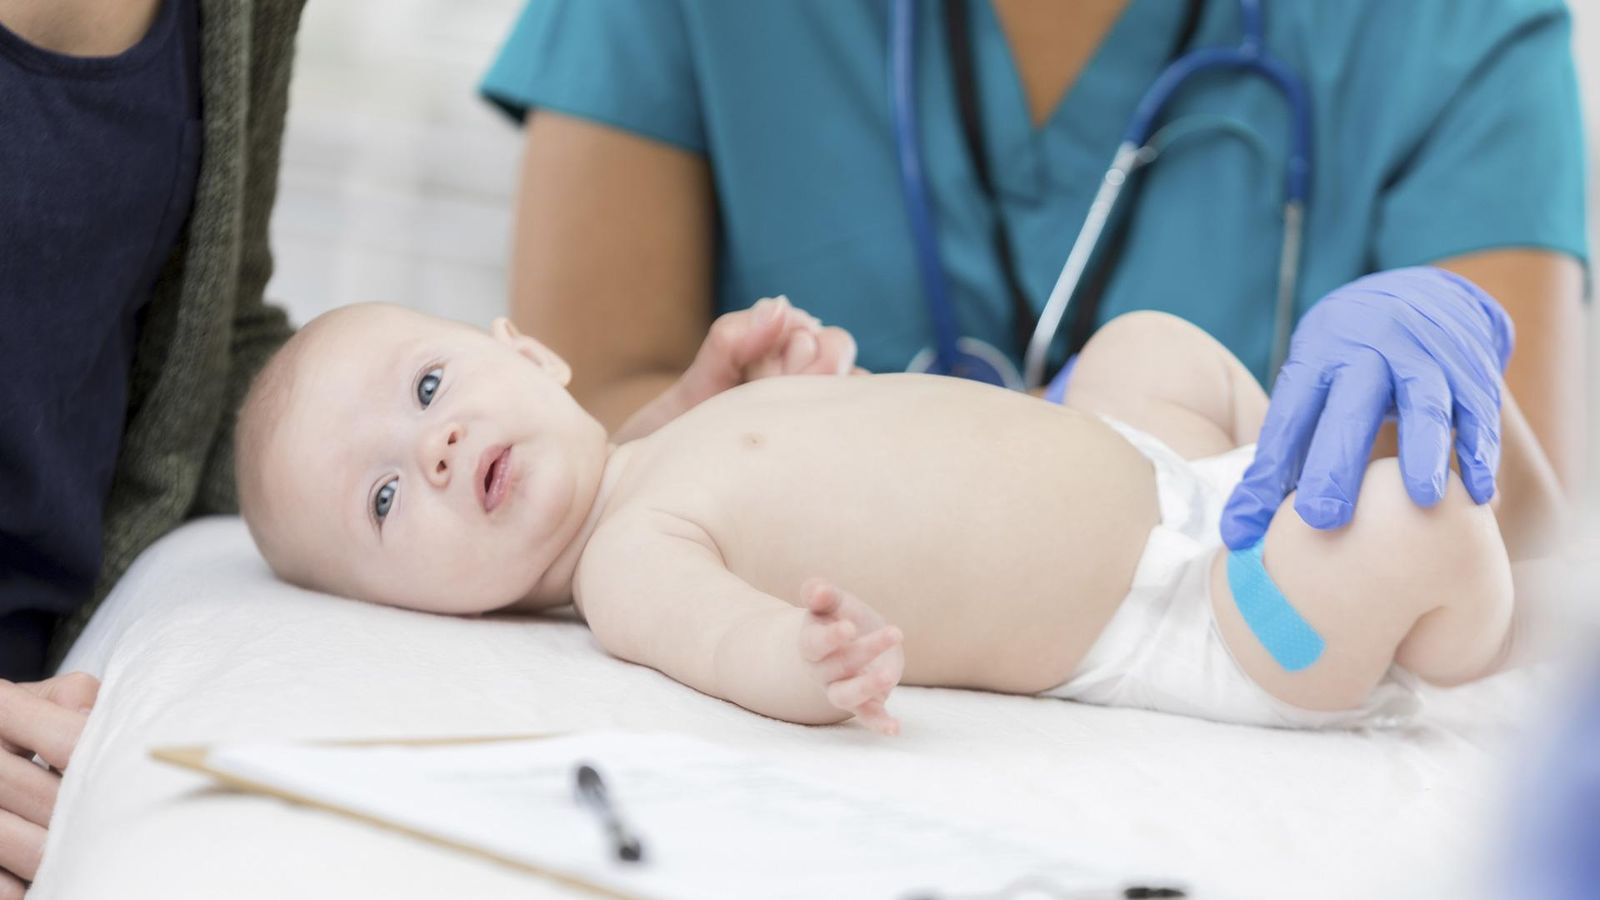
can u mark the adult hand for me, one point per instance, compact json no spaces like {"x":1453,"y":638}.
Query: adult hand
{"x":770,"y":338}
{"x":1423,"y":343}
{"x":43,"y":718}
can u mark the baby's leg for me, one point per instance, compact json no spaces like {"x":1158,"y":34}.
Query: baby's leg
{"x":1429,"y":589}
{"x":1169,"y":379}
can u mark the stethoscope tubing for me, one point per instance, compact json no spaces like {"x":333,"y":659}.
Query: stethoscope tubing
{"x":913,"y":181}
{"x":1250,"y":56}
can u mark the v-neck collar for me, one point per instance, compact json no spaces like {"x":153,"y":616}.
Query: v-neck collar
{"x":1076,"y":141}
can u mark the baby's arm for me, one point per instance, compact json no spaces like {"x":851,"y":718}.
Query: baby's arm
{"x":655,"y":591}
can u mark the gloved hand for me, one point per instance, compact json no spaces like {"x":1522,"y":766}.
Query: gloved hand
{"x":1423,"y":343}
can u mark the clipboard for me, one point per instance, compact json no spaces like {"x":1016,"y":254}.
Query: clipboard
{"x":194,"y":758}
{"x":720,"y":822}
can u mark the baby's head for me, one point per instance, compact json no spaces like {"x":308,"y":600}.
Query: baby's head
{"x":390,"y":456}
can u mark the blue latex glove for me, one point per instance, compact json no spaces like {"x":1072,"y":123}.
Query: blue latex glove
{"x":1423,"y":343}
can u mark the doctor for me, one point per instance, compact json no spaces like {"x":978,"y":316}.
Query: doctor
{"x":685,"y":158}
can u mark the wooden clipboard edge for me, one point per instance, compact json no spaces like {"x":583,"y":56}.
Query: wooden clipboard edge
{"x":193,"y":757}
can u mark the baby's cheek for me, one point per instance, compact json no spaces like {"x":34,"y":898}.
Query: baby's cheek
{"x":475,"y":574}
{"x":405,"y":578}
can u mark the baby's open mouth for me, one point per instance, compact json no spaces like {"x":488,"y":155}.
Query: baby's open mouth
{"x":494,"y":471}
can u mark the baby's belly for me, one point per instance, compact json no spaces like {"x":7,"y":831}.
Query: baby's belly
{"x":1001,"y":578}
{"x":999,"y":532}
{"x":1000,"y":622}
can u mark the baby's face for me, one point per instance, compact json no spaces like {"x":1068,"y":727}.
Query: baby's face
{"x":423,"y":463}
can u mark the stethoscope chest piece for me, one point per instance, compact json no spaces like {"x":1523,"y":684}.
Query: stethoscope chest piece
{"x":973,"y":359}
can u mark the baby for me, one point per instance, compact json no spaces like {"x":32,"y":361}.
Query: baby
{"x":801,"y":545}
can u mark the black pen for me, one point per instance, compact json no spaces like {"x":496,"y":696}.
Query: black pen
{"x":592,"y":793}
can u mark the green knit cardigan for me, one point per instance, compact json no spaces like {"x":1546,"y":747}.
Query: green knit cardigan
{"x":207,"y":329}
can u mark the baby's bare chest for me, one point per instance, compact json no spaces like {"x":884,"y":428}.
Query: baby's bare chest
{"x":945,"y":526}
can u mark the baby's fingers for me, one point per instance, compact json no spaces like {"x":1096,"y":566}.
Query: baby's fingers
{"x":821,"y":598}
{"x":799,"y":352}
{"x":875,"y":716}
{"x":854,"y":657}
{"x":836,"y":353}
{"x":754,"y":335}
{"x":820,"y":639}
{"x":852,"y":693}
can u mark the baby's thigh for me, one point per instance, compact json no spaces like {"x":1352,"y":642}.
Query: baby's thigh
{"x":1364,"y":588}
{"x":1168,"y":378}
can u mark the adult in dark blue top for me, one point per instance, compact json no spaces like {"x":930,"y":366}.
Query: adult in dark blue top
{"x":99,"y":151}
{"x":98,"y":166}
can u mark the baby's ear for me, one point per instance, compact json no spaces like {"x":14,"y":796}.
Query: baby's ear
{"x":535,"y":352}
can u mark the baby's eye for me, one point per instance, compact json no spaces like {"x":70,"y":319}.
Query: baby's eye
{"x":428,"y":385}
{"x":384,"y":498}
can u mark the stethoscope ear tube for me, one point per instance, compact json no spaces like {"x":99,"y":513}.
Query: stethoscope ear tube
{"x":1094,"y":224}
{"x":1288,"y":272}
{"x":1249,"y":56}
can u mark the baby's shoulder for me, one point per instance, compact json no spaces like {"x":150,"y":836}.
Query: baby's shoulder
{"x":641,"y":537}
{"x":660,"y":490}
{"x":633,"y":553}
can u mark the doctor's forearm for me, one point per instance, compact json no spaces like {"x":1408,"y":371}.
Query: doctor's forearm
{"x":1543,"y":293}
{"x":613,"y":258}
{"x":631,"y":406}
{"x":1532,"y":505}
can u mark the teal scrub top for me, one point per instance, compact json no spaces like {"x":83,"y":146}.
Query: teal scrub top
{"x":1441,"y":127}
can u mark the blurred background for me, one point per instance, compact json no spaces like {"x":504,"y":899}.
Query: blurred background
{"x":397,"y":181}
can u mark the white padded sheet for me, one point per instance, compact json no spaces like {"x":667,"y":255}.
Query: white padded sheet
{"x":200,"y":644}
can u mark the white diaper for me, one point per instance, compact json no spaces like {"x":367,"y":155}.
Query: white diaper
{"x":1162,"y":649}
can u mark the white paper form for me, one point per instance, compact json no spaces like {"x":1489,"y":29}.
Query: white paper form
{"x":715,"y":823}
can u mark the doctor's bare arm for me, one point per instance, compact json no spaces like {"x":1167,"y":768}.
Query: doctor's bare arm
{"x":1543,"y":293}
{"x":612,"y":258}
{"x":655,"y":591}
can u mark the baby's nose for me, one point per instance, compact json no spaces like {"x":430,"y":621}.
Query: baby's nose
{"x":441,"y":449}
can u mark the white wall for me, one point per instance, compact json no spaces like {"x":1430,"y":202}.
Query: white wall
{"x":396,"y":179}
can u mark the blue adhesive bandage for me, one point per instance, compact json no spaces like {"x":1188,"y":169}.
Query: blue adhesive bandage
{"x":1290,"y":639}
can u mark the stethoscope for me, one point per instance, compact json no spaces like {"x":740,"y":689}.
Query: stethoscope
{"x":968,"y":357}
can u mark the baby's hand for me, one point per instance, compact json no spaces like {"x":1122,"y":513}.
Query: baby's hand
{"x":770,"y":338}
{"x":852,"y":651}
{"x":795,"y":344}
